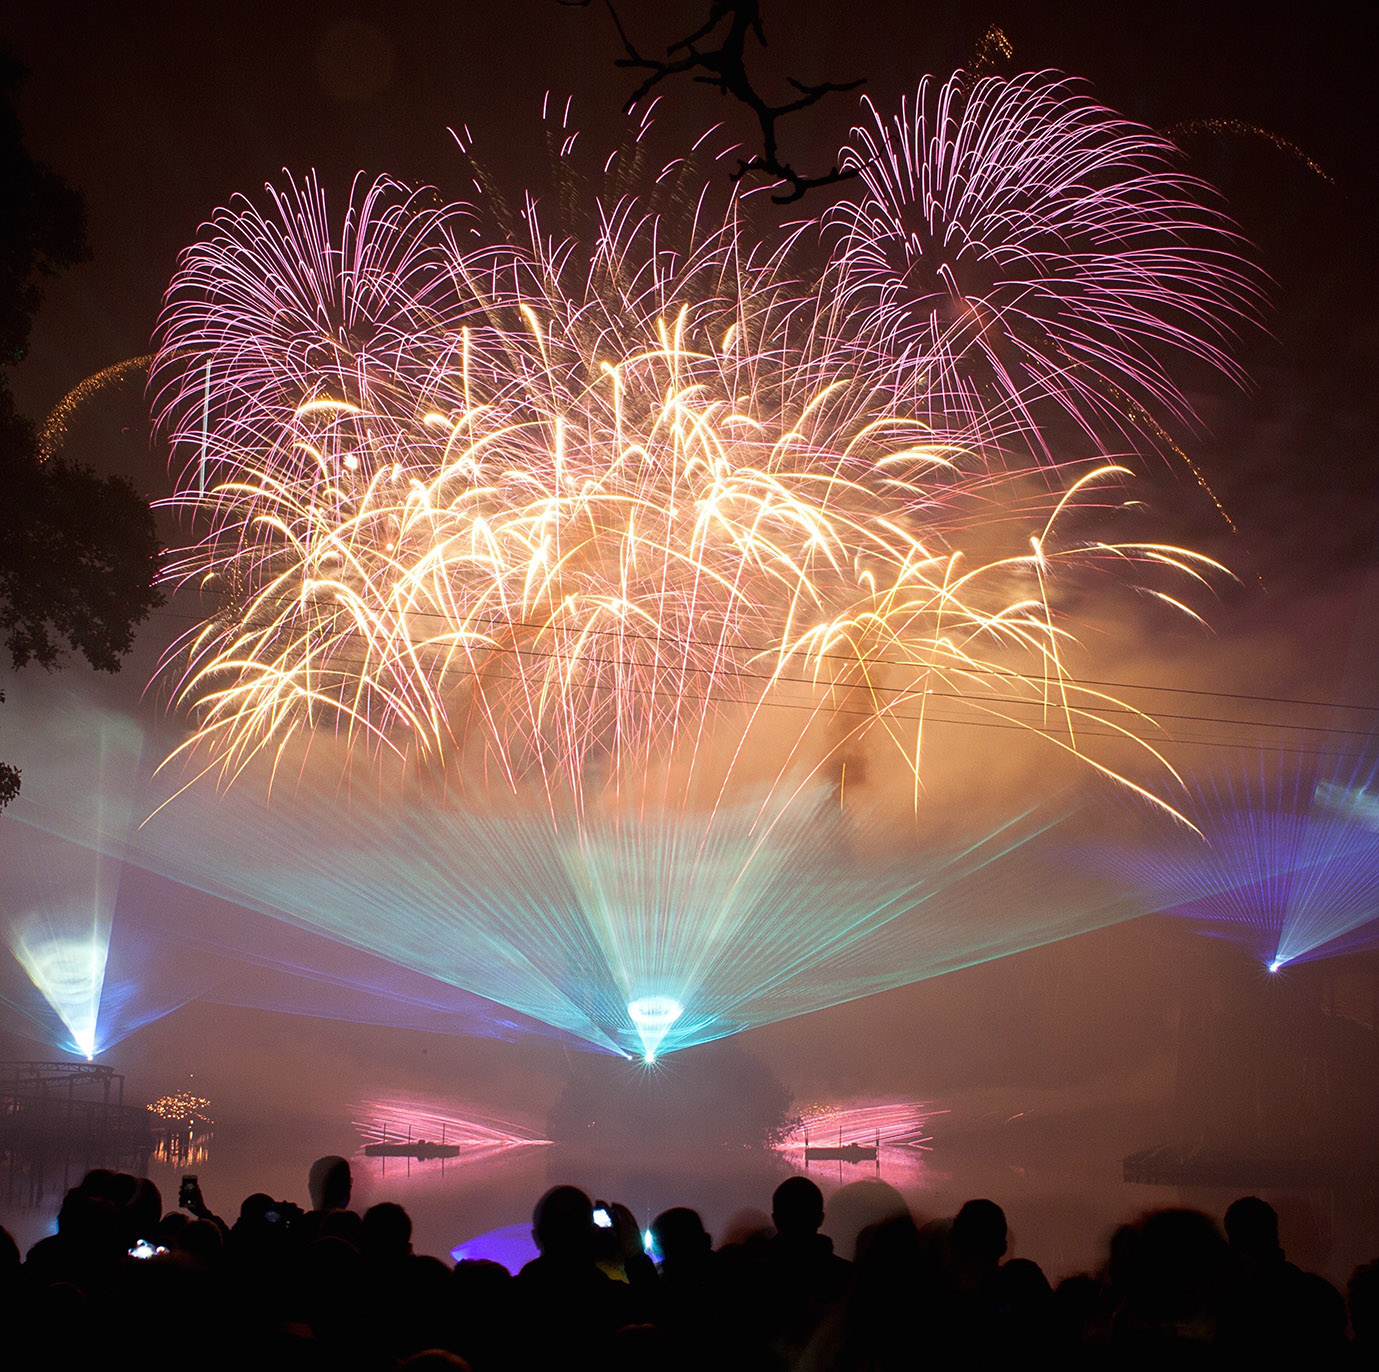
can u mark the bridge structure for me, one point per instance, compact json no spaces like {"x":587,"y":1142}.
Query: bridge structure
{"x":60,"y":1119}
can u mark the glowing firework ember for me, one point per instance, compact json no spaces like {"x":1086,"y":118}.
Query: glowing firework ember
{"x":182,"y":1108}
{"x":624,"y":546}
{"x":58,"y":423}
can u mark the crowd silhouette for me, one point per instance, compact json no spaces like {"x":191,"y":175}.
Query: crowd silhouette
{"x":123,"y":1284}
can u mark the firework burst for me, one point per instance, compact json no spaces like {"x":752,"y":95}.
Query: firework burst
{"x":616,"y":497}
{"x":639,"y":532}
{"x":1015,"y":247}
{"x":273,"y":313}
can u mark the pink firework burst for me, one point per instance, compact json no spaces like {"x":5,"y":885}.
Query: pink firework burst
{"x":1015,"y":246}
{"x":287,"y":307}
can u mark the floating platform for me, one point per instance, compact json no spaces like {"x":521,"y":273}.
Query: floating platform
{"x":78,"y":1106}
{"x":420,"y":1149}
{"x":846,"y":1152}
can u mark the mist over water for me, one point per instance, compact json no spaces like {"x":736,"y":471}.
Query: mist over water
{"x":1037,"y":1075}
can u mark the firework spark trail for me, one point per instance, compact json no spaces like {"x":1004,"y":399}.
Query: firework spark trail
{"x":1016,"y":244}
{"x":602,"y":519}
{"x":593,"y":531}
{"x":896,"y":1124}
{"x":391,"y":1119}
{"x":270,"y":315}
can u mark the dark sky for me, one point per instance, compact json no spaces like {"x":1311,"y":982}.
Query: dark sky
{"x":159,"y":113}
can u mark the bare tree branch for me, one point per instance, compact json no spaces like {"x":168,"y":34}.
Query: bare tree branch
{"x":725,"y":68}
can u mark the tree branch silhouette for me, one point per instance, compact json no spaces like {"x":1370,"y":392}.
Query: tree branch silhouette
{"x":725,"y":68}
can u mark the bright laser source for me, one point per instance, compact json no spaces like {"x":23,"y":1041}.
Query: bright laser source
{"x":652,"y":1017}
{"x":70,"y":974}
{"x":66,"y":898}
{"x":1290,"y":870}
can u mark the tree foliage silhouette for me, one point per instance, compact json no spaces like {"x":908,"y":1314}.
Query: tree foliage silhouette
{"x":78,"y":552}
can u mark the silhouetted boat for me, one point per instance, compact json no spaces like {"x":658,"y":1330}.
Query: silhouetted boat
{"x":420,"y":1149}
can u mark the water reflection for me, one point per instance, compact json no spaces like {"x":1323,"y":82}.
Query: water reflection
{"x":1061,"y":1185}
{"x":182,"y":1147}
{"x":842,"y":1142}
{"x":57,"y":1121}
{"x":182,"y":1129}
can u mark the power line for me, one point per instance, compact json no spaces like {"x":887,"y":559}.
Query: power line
{"x":963,"y":669}
{"x":1085,"y":730}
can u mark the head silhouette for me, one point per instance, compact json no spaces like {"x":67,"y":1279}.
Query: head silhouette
{"x":979,"y":1232}
{"x":562,"y":1224}
{"x":1362,"y":1296}
{"x":680,"y":1235}
{"x":386,"y":1232}
{"x":329,"y":1183}
{"x":1252,"y":1228}
{"x":797,"y":1208}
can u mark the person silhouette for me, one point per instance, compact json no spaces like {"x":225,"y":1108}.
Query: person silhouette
{"x":565,"y":1308}
{"x":801,"y":1279}
{"x":330,"y":1183}
{"x":1274,"y":1312}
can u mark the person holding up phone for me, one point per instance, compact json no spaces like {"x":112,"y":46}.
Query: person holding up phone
{"x":567,"y":1306}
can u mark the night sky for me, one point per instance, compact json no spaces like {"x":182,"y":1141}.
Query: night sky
{"x":161,"y":114}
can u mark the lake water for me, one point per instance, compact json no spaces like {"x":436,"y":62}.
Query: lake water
{"x":1061,"y":1207}
{"x":1037,"y":1075}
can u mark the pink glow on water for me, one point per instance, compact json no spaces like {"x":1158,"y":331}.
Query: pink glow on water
{"x":897,"y":1130}
{"x":397,"y":1119}
{"x":892,"y":1124}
